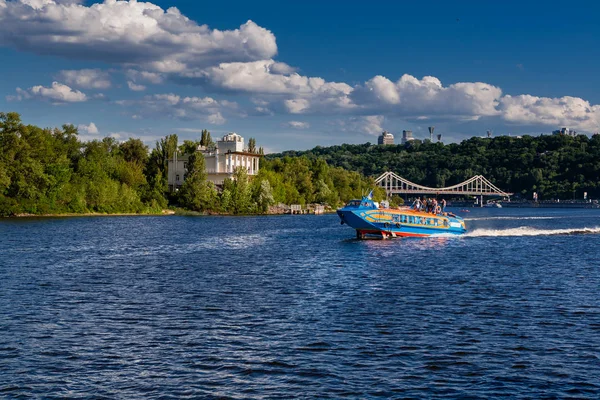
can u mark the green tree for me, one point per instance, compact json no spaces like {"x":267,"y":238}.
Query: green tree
{"x":205,"y":139}
{"x":240,"y":193}
{"x":197,"y":193}
{"x":135,"y":151}
{"x":252,"y":145}
{"x":265,"y":196}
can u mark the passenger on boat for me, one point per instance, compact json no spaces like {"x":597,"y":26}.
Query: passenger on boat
{"x":438,"y":210}
{"x":417,"y":204}
{"x":443,"y":202}
{"x":429,"y":205}
{"x":434,"y":204}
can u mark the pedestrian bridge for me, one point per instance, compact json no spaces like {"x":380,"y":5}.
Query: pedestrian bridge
{"x":475,"y":186}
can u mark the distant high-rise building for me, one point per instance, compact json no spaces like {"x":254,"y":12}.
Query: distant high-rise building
{"x":407,"y":136}
{"x":565,"y":132}
{"x":431,"y":128}
{"x":385,"y":138}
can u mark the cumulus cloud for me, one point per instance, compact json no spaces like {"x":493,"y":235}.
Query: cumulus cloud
{"x":268,"y":77}
{"x":57,"y":93}
{"x":369,"y":124}
{"x":296,"y":106}
{"x":297,"y":125}
{"x":144,"y":76}
{"x":564,"y":111}
{"x":127,"y":32}
{"x":91,"y":129}
{"x":135,"y":87}
{"x":410,"y":96}
{"x":216,"y":119}
{"x":86,"y":78}
{"x":178,"y":107}
{"x":154,"y":46}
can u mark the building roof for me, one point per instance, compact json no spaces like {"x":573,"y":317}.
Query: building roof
{"x":232,"y":137}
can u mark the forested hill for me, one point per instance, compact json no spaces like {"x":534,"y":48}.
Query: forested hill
{"x":554,"y":166}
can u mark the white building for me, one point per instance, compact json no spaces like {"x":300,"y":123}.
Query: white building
{"x":385,"y":138}
{"x":407,"y":136}
{"x":565,"y":132}
{"x":221,"y":161}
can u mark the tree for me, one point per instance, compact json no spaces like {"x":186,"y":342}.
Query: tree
{"x":265,"y":196}
{"x":134,"y":150}
{"x":189,"y":147}
{"x":197,"y":193}
{"x":252,"y":145}
{"x":205,"y":139}
{"x":240,"y":195}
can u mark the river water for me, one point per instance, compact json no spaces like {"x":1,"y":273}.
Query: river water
{"x":295,"y":307}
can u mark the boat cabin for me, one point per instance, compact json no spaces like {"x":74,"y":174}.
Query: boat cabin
{"x":364,"y":203}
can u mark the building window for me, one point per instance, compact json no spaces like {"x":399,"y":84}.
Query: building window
{"x":184,"y":165}
{"x":176,"y":178}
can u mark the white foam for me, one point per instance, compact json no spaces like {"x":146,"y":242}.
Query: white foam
{"x":508,"y":218}
{"x":530,"y":231}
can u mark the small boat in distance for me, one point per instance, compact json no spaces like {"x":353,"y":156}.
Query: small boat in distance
{"x":492,"y":204}
{"x":368,"y":218}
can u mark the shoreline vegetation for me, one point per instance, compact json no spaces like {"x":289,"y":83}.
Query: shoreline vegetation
{"x":51,"y":172}
{"x":556,"y":167}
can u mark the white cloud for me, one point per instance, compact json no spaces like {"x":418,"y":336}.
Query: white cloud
{"x":414,"y":97}
{"x":369,"y":124}
{"x":216,"y":119}
{"x":144,"y":76}
{"x":297,"y":125}
{"x":91,"y":129}
{"x":567,"y":111}
{"x":154,"y":46}
{"x":178,"y":107}
{"x":57,"y":93}
{"x":86,"y":78}
{"x":266,"y":76}
{"x":127,"y":32}
{"x":296,"y":106}
{"x":135,"y":87}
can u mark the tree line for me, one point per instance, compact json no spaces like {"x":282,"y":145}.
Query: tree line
{"x":554,"y":166}
{"x":52,"y":171}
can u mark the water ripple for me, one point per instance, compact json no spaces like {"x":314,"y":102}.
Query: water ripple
{"x":294,"y":307}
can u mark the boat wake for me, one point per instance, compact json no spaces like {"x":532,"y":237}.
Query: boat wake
{"x":507,"y":218}
{"x":529,"y":231}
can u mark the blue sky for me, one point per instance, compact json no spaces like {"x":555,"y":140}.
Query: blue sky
{"x":297,"y":75}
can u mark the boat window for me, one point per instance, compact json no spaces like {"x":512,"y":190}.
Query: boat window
{"x":353,"y":203}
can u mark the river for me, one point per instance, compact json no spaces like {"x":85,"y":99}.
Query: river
{"x":295,"y":307}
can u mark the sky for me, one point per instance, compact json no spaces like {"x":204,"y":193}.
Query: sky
{"x":295,"y":75}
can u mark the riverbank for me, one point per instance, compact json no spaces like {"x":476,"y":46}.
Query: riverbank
{"x":178,"y":212}
{"x":27,"y":215}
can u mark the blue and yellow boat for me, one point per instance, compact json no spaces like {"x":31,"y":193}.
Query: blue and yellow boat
{"x":368,"y":218}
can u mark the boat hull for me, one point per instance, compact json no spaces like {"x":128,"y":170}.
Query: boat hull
{"x":400,"y":223}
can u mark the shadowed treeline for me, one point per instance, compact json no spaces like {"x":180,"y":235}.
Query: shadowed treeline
{"x":50,"y":171}
{"x":554,"y":166}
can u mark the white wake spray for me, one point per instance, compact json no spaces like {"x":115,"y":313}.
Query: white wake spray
{"x":530,"y":231}
{"x":508,"y":218}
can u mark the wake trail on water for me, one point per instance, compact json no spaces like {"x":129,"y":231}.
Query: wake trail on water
{"x":507,"y":218}
{"x":529,"y":231}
